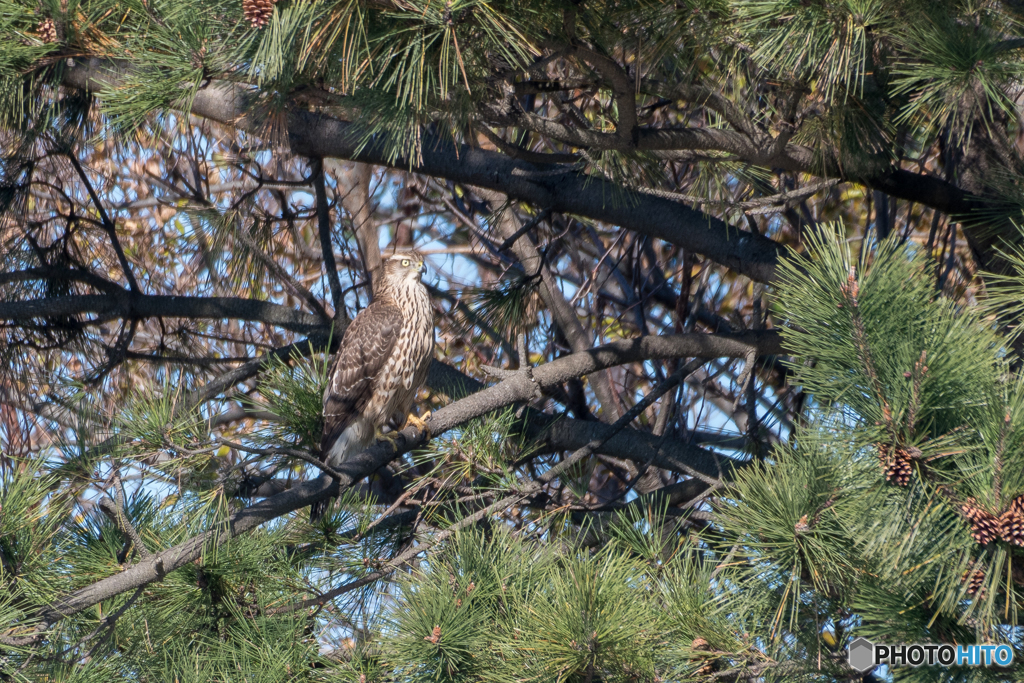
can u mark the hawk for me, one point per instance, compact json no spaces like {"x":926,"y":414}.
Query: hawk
{"x":381,"y":365}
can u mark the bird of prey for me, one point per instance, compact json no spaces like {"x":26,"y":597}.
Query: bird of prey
{"x":381,"y":365}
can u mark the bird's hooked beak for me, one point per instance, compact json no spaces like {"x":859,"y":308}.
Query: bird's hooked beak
{"x":423,"y":269}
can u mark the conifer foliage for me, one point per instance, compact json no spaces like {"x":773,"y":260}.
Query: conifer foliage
{"x":727,"y":297}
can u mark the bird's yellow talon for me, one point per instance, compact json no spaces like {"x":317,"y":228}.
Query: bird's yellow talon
{"x":389,"y":437}
{"x":419,"y":422}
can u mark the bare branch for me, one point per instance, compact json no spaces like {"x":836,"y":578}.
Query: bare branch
{"x":549,"y":291}
{"x":323,"y":217}
{"x":108,"y":224}
{"x":139,"y":306}
{"x":354,"y":195}
{"x":115,"y":512}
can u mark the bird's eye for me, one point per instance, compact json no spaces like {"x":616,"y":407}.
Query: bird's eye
{"x":405,"y":263}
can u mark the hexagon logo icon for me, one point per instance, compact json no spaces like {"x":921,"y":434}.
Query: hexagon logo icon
{"x":861,"y":655}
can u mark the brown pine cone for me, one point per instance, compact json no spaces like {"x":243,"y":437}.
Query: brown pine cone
{"x":1012,"y":525}
{"x":258,"y":12}
{"x":709,"y":666}
{"x":1017,"y":504}
{"x":985,"y":527}
{"x":896,"y":463}
{"x":47,"y":31}
{"x":974,"y":577}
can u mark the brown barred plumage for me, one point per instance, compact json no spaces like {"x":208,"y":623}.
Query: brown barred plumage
{"x":381,"y":364}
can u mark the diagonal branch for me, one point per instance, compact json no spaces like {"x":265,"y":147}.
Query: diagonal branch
{"x":108,"y":225}
{"x":115,"y":511}
{"x":563,"y":188}
{"x":563,"y":313}
{"x":526,"y":227}
{"x":282,"y":275}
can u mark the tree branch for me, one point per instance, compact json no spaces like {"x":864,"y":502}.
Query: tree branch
{"x":624,"y":91}
{"x":115,"y":511}
{"x":282,"y":275}
{"x":357,"y":202}
{"x":562,"y":188}
{"x":127,"y":305}
{"x":323,"y":217}
{"x":108,"y":224}
{"x":525,"y":491}
{"x":563,"y":314}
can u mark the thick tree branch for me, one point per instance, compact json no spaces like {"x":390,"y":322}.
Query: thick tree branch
{"x":563,"y":189}
{"x":564,"y":434}
{"x":525,"y":490}
{"x":138,"y":306}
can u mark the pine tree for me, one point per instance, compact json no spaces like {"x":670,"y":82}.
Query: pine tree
{"x":727,"y":297}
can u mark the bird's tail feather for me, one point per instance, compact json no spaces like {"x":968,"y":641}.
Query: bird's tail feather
{"x":353,"y":439}
{"x":317,"y":510}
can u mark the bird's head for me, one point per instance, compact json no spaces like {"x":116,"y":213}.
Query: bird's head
{"x":403,"y":269}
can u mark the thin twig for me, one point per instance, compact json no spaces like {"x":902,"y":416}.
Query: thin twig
{"x":109,"y":622}
{"x":108,"y":224}
{"x":290,"y":452}
{"x":117,"y":515}
{"x":281,"y":274}
{"x":752,"y":207}
{"x":397,"y":504}
{"x":527,"y":227}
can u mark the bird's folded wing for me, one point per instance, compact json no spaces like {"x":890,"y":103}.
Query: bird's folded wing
{"x":365,"y":348}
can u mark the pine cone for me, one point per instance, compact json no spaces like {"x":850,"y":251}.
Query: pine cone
{"x":258,"y":12}
{"x":896,"y":462}
{"x":974,"y":577}
{"x":985,"y":527}
{"x":1012,"y":523}
{"x":1017,"y":504}
{"x":709,"y":666}
{"x":47,"y":31}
